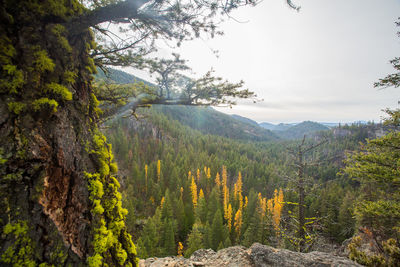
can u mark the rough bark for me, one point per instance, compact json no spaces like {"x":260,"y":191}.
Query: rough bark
{"x":48,"y":143}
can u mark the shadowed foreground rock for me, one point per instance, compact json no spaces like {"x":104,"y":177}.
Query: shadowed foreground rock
{"x":256,"y":255}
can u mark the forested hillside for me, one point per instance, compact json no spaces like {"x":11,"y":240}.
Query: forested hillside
{"x":201,"y":190}
{"x":209,"y":121}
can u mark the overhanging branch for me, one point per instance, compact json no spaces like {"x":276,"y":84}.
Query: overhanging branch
{"x":123,"y":10}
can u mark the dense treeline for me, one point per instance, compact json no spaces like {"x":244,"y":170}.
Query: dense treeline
{"x":162,"y":161}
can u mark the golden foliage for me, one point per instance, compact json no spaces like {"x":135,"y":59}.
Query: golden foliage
{"x":239,"y":185}
{"x":229,"y":216}
{"x":162,"y":202}
{"x":217,"y":180}
{"x":225,"y":192}
{"x":201,"y":194}
{"x":238,"y":221}
{"x":159,"y":170}
{"x":145,"y":175}
{"x":262,"y":202}
{"x":180,"y":249}
{"x":193,"y":189}
{"x":275,"y":206}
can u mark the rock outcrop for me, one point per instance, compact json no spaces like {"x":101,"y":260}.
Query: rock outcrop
{"x":257,"y":255}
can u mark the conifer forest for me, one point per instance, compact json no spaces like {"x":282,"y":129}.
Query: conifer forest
{"x":115,"y":148}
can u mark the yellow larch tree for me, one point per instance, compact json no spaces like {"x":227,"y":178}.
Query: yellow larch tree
{"x":158,"y":171}
{"x":238,"y":222}
{"x":264,"y":205}
{"x":198,"y":175}
{"x":217,"y":180}
{"x":275,"y":206}
{"x":201,"y":194}
{"x":246,"y":201}
{"x":181,"y":192}
{"x":262,"y":202}
{"x":189,"y":175}
{"x":239,"y":185}
{"x":229,"y":217}
{"x":225,"y":191}
{"x":193,"y":189}
{"x":208,"y":173}
{"x":162,"y":202}
{"x":278,"y":205}
{"x":145,"y":175}
{"x":180,"y":249}
{"x":270,"y":205}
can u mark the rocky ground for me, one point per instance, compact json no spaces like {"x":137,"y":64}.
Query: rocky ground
{"x":257,"y":255}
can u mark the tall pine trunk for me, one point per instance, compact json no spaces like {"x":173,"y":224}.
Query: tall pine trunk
{"x":59,"y":201}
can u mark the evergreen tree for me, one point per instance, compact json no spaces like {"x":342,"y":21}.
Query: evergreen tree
{"x":168,"y":246}
{"x":195,"y":240}
{"x":217,"y":230}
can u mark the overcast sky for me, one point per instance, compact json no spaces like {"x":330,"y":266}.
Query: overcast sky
{"x":317,"y":64}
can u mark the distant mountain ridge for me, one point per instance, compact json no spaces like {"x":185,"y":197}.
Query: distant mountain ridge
{"x":246,"y":120}
{"x":294,"y":130}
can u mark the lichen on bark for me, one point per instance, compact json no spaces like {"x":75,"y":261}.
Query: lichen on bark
{"x":51,"y":151}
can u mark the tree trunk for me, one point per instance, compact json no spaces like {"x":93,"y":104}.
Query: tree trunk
{"x":301,"y":232}
{"x":53,"y":160}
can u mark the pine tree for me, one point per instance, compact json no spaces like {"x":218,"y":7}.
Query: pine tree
{"x":346,"y":218}
{"x":214,"y":204}
{"x":168,"y":238}
{"x":378,"y":207}
{"x":201,"y":210}
{"x":195,"y":240}
{"x":217,"y":229}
